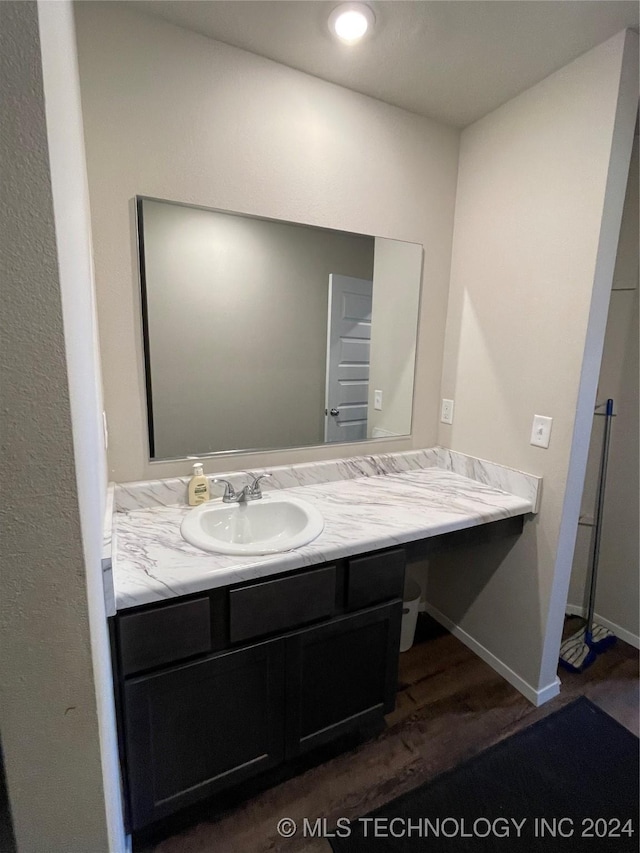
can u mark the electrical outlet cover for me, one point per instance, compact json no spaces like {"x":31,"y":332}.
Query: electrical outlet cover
{"x":446,"y":414}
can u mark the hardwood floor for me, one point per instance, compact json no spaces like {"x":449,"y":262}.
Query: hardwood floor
{"x":450,"y":706}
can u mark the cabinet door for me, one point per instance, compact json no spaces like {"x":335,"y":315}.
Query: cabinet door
{"x":201,"y":727}
{"x":341,"y":676}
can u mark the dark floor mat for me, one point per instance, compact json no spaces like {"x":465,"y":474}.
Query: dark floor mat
{"x":567,"y":784}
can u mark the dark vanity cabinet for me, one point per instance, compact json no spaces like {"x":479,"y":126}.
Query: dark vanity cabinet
{"x":341,"y":676}
{"x":196,"y":728}
{"x":217,"y":687}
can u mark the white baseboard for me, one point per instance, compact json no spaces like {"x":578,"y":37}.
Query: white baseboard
{"x":622,"y":633}
{"x":536,"y":697}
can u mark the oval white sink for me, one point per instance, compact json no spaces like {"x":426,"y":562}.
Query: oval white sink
{"x":267,"y":526}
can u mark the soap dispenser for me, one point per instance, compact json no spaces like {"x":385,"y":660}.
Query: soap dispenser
{"x":198,"y":486}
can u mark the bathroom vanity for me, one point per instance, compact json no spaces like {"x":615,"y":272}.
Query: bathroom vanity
{"x":228,"y":666}
{"x":221,"y":686}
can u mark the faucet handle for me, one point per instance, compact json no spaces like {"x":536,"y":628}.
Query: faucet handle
{"x":230,"y":494}
{"x":254,"y":488}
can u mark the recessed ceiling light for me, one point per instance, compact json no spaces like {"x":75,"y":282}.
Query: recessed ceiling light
{"x":350,"y":22}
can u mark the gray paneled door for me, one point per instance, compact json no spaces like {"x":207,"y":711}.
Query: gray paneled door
{"x":348,"y":346}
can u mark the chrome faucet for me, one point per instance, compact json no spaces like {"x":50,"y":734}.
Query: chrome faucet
{"x":248,"y":493}
{"x":254,"y":492}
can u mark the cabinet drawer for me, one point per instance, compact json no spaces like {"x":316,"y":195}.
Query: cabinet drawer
{"x":164,"y":635}
{"x":375,"y":578}
{"x":279,"y":605}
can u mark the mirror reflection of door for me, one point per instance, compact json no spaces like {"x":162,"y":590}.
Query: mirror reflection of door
{"x":348,"y":347}
{"x":235,"y":327}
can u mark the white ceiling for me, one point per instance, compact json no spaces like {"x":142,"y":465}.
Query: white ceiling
{"x":452,"y":60}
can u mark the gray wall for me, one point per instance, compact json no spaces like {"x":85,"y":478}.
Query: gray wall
{"x":396,"y":300}
{"x":619,"y":570}
{"x":540,"y":198}
{"x":238,"y":327}
{"x":49,"y":717}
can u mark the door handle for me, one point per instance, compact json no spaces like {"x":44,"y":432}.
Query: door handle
{"x":334,"y":413}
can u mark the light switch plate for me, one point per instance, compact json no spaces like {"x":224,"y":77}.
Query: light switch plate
{"x":377,"y":400}
{"x":541,"y":431}
{"x":446,"y":415}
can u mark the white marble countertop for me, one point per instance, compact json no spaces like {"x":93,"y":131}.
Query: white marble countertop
{"x":152,"y":562}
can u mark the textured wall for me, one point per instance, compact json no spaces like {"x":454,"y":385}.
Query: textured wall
{"x":171,"y":114}
{"x":48,"y":712}
{"x":540,"y":196}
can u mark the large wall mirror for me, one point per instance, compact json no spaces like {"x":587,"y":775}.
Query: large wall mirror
{"x":261,"y":334}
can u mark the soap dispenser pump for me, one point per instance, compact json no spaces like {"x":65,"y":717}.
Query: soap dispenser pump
{"x":198,"y":486}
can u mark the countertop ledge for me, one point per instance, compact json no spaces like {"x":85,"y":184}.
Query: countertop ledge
{"x":151,"y":562}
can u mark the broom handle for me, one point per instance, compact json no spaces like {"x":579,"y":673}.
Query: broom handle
{"x":597,"y":531}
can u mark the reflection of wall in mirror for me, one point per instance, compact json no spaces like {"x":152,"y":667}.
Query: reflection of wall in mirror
{"x":237,"y":311}
{"x":396,"y":294}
